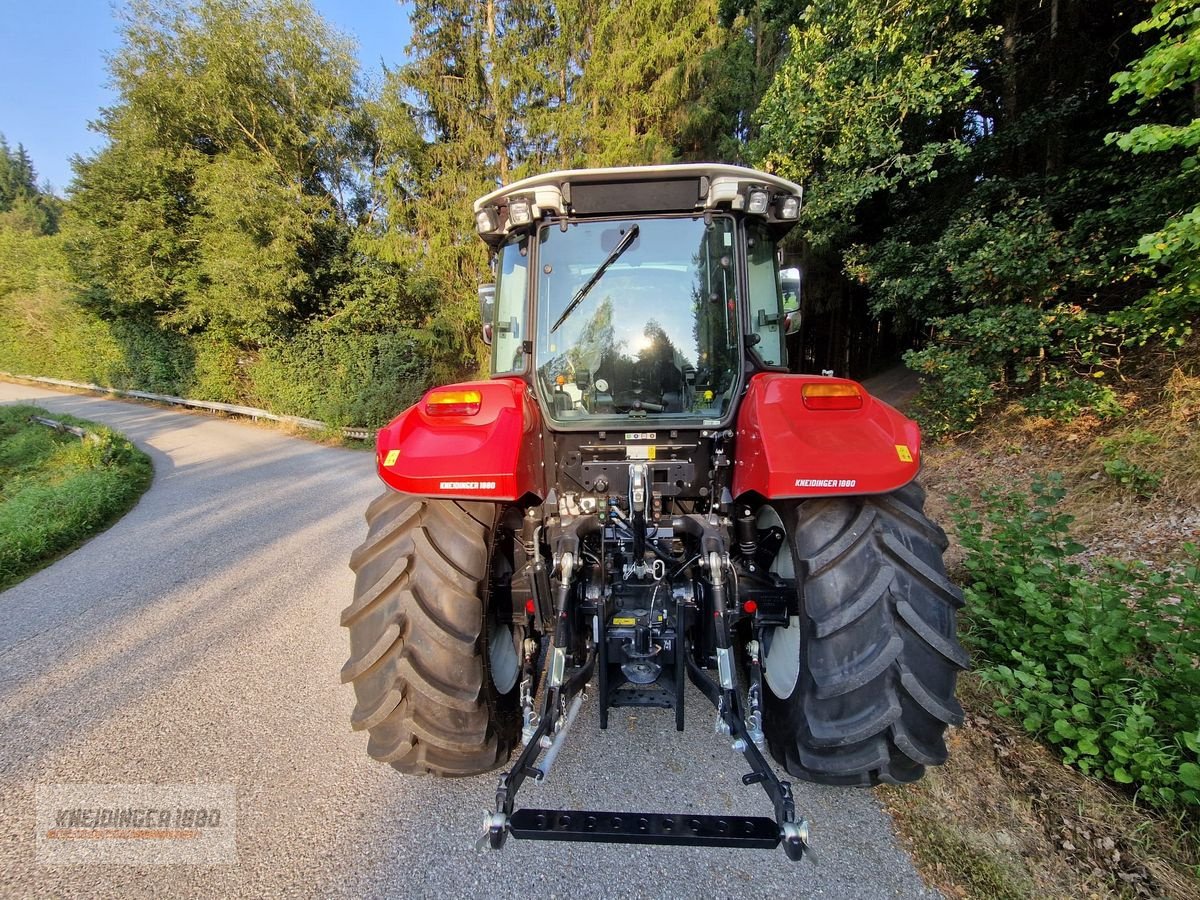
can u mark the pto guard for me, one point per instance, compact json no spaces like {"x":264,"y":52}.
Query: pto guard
{"x":494,"y":454}
{"x":785,"y":449}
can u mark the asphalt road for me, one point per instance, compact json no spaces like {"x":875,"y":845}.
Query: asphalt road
{"x":197,"y":641}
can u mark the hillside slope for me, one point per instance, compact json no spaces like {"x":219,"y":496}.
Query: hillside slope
{"x":1006,"y":817}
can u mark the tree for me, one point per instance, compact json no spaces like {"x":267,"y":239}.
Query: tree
{"x":1165,"y":83}
{"x":219,"y":200}
{"x":502,"y":88}
{"x":646,"y":79}
{"x":443,"y":113}
{"x":23,"y":207}
{"x":872,"y":96}
{"x":957,"y":179}
{"x":17,"y":178}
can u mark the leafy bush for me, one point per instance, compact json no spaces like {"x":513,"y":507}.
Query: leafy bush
{"x":955,"y":390}
{"x":1167,"y":70}
{"x":44,"y":330}
{"x":1118,"y":466}
{"x":1070,"y":398}
{"x":1101,"y":665}
{"x":1139,"y":480}
{"x":977,"y":357}
{"x":56,"y":491}
{"x":341,"y":378}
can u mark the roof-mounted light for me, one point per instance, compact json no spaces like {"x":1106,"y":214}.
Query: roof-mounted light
{"x":788,"y":207}
{"x":487,"y":220}
{"x":757,"y":202}
{"x":519,"y":212}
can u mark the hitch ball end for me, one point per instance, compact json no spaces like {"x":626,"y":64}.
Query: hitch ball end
{"x":795,"y":840}
{"x":495,"y":831}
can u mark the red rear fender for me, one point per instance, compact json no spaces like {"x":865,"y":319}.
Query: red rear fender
{"x":493,"y":454}
{"x":785,"y":449}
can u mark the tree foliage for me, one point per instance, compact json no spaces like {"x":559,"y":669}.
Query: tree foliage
{"x":1011,"y":183}
{"x":1165,"y":83}
{"x":234,"y":212}
{"x":23,"y":205}
{"x":445,"y":116}
{"x":499,"y":89}
{"x":643,"y":100}
{"x":871,"y":98}
{"x":17,"y":178}
{"x":215,"y":204}
{"x":957,"y":172}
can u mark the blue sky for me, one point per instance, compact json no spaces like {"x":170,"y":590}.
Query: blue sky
{"x":53,"y":77}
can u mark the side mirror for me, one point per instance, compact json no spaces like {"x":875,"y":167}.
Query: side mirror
{"x":487,"y":310}
{"x":791,"y":280}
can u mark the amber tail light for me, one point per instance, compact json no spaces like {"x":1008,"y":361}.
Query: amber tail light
{"x":452,"y":403}
{"x":831,"y":396}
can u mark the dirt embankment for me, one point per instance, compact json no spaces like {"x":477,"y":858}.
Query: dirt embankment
{"x":1004,"y":817}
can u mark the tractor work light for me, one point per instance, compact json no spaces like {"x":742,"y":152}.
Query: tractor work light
{"x":518,"y":211}
{"x":757,"y":202}
{"x":486,"y":220}
{"x":831,"y":396}
{"x":452,"y":403}
{"x":789,"y":207}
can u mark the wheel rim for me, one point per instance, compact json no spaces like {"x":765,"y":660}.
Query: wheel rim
{"x":502,"y":657}
{"x":781,"y":646}
{"x":781,"y":658}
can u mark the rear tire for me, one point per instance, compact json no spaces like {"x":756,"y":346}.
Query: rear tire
{"x":868,"y":698}
{"x":419,"y":631}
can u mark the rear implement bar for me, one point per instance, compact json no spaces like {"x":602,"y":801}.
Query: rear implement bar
{"x":751,"y":832}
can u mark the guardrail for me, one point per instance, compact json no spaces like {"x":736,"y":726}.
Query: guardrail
{"x":362,"y":434}
{"x":82,"y":433}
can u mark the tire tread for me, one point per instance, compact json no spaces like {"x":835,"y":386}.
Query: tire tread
{"x":416,"y":643}
{"x":880,"y":655}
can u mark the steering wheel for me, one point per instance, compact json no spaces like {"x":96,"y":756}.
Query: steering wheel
{"x":630,"y":400}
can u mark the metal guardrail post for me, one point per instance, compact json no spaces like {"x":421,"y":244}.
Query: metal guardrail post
{"x":82,"y":433}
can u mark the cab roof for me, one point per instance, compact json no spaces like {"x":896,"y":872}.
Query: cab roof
{"x":625,"y":190}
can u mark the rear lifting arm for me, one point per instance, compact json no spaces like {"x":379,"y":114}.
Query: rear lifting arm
{"x":560,"y":703}
{"x":726,"y":695}
{"x":561,"y":689}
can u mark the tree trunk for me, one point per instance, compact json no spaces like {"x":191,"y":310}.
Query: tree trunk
{"x":1008,"y":99}
{"x":489,"y":73}
{"x":1054,"y":135}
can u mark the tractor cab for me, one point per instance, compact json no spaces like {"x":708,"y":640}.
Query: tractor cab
{"x":642,"y":293}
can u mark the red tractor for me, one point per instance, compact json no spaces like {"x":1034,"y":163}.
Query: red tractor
{"x":642,"y":494}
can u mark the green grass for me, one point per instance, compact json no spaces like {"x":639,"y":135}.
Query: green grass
{"x":56,"y":490}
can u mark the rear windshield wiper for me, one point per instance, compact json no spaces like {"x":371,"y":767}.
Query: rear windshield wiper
{"x":580,"y":294}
